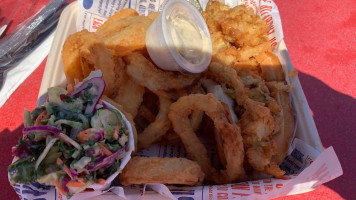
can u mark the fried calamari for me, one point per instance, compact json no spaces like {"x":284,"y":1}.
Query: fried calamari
{"x":230,"y":134}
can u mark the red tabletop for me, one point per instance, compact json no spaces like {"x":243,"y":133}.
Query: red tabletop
{"x":320,"y":37}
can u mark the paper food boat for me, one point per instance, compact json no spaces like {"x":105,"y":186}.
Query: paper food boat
{"x":311,"y":164}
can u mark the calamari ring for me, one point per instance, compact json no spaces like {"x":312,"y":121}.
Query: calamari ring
{"x":230,"y":134}
{"x":158,"y":127}
{"x":144,"y":73}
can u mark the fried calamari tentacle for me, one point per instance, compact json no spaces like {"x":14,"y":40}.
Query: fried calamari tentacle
{"x":258,"y":124}
{"x":230,"y":134}
{"x":283,"y":136}
{"x":158,"y":127}
{"x":227,"y":75}
{"x":141,"y":170}
{"x":144,"y":73}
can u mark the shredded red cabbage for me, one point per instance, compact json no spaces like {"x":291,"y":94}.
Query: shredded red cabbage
{"x":98,"y":136}
{"x":99,"y":84}
{"x":64,"y":182}
{"x":108,"y":160}
{"x":22,"y":151}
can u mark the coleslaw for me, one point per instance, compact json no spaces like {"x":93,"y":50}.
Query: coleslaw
{"x":72,"y":141}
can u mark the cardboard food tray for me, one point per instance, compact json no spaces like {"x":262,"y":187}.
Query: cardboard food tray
{"x":54,"y":76}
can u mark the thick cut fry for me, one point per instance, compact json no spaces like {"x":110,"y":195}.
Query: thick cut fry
{"x":142,"y":170}
{"x":125,"y":35}
{"x":230,"y":134}
{"x":84,"y":52}
{"x":122,"y":14}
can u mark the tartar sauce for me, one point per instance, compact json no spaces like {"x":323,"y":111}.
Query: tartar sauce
{"x":188,"y":38}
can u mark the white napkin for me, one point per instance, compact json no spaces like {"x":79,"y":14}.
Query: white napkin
{"x":16,"y":76}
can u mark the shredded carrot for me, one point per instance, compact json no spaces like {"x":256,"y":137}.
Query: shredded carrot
{"x":106,"y":151}
{"x":43,"y":115}
{"x":89,"y":130}
{"x":59,"y":161}
{"x":70,"y":89}
{"x":56,"y":183}
{"x":75,"y":184}
{"x":101,"y":181}
{"x":83,"y":137}
{"x":65,"y":168}
{"x":116,"y":132}
{"x":80,"y":180}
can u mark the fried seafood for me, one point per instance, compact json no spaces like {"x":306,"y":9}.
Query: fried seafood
{"x":257,"y":125}
{"x":283,"y":135}
{"x":270,"y":66}
{"x":252,"y":136}
{"x":144,"y":73}
{"x":141,"y":170}
{"x":238,"y":35}
{"x":84,"y":52}
{"x":130,"y":96}
{"x":158,"y":127}
{"x":227,"y":75}
{"x":230,"y":134}
{"x":243,"y":61}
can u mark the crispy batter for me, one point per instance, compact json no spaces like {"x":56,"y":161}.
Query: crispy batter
{"x":122,"y":14}
{"x":153,"y":15}
{"x":84,"y":52}
{"x":282,"y":136}
{"x":158,"y":127}
{"x":125,"y":35}
{"x":142,"y":170}
{"x":71,"y":59}
{"x":227,"y":75}
{"x":130,"y":96}
{"x":242,"y":63}
{"x":231,"y":136}
{"x":146,"y":74}
{"x":270,"y":66}
{"x":238,"y":35}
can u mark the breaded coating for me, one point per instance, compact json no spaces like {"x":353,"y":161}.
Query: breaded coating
{"x":141,"y":170}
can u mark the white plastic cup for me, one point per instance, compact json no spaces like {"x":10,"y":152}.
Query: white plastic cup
{"x":161,"y":48}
